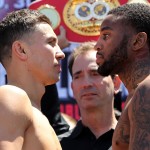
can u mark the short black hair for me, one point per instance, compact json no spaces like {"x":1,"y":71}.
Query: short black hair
{"x":135,"y":15}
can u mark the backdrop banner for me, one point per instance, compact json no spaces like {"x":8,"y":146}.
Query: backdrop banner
{"x":7,"y":6}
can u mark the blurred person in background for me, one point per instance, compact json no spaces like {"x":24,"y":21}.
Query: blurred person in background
{"x":95,"y":97}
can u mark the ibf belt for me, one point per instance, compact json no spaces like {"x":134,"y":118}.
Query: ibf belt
{"x":85,"y":16}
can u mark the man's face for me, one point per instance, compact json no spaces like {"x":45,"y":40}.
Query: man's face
{"x":111,"y":47}
{"x":44,"y":55}
{"x":91,"y":90}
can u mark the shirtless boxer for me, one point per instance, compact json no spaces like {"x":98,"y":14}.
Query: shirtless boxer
{"x":123,"y":48}
{"x":30,"y":54}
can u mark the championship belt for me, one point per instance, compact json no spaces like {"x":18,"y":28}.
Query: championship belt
{"x":84,"y":17}
{"x":80,"y":18}
{"x":51,"y":13}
